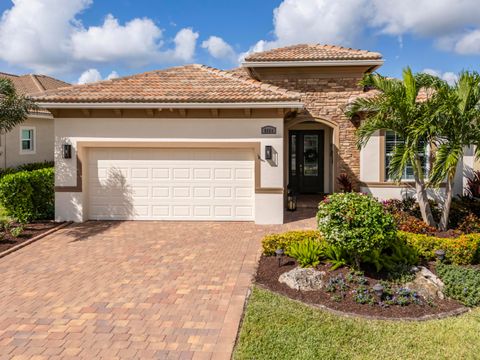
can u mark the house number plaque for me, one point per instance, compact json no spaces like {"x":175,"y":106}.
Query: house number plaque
{"x":269,"y":130}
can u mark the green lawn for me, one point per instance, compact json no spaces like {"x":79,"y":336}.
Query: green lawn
{"x":278,"y":328}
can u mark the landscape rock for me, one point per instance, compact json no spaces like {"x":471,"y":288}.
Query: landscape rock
{"x":304,"y":279}
{"x":427,"y":284}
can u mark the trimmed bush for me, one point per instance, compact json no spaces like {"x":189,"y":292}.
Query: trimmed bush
{"x":463,"y":250}
{"x":462,"y":284}
{"x":355,"y":223}
{"x":272,"y":242}
{"x":28,"y":195}
{"x":27,"y":167}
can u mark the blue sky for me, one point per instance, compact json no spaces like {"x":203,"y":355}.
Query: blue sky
{"x":100,"y":38}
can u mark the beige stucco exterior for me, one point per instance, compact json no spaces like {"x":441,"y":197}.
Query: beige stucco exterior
{"x":11,"y":154}
{"x":191,"y":133}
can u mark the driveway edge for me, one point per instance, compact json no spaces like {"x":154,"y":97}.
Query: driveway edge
{"x":32,"y":240}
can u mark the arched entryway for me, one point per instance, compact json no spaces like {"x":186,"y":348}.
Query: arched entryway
{"x":311,"y":152}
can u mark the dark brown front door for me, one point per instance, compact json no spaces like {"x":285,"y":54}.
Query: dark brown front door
{"x":306,"y":161}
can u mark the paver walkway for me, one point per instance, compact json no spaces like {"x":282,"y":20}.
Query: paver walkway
{"x":130,"y":290}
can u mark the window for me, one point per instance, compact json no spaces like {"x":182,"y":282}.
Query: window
{"x":27,"y":140}
{"x":391,"y":140}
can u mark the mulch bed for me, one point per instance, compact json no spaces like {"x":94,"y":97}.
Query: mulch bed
{"x":30,"y":231}
{"x":268,"y":273}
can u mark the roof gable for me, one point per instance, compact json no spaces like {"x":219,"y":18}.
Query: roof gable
{"x":32,"y":83}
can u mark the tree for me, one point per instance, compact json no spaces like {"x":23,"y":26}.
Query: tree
{"x":456,"y":123}
{"x":396,"y":108}
{"x":14,"y":108}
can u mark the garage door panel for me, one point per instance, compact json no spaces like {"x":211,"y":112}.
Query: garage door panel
{"x":168,"y":184}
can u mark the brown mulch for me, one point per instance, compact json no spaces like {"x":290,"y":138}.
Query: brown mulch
{"x":31,"y":230}
{"x":268,"y":273}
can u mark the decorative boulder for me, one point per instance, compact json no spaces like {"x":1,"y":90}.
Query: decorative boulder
{"x":304,"y":279}
{"x":427,"y":284}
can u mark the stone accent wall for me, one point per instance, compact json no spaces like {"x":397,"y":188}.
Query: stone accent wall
{"x":327,"y":98}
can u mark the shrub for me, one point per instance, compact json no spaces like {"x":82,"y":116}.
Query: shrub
{"x":27,"y":167}
{"x":345,"y":183}
{"x":473,"y":185}
{"x":462,"y":250}
{"x":396,"y":258}
{"x":355,"y":223}
{"x":410,"y":223}
{"x":470,"y":225}
{"x":306,"y":252}
{"x":461,"y":208}
{"x":462,"y":284}
{"x":28,"y":195}
{"x":272,"y":242}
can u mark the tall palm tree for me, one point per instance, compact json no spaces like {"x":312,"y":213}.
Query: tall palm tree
{"x":396,"y":108}
{"x":457,"y":125}
{"x":14,"y":108}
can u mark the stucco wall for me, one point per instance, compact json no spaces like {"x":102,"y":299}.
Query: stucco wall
{"x":44,"y":141}
{"x":78,"y":131}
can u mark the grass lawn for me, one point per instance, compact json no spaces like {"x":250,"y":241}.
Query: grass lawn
{"x":277,"y":328}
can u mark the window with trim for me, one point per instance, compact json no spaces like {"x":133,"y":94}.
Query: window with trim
{"x":392,"y":139}
{"x":27,"y":139}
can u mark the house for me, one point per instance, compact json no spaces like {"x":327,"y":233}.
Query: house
{"x":33,"y":140}
{"x":198,"y":143}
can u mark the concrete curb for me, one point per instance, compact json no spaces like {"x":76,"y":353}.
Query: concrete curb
{"x":32,"y":240}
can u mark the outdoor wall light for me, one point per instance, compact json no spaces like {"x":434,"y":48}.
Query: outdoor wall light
{"x":440,"y":254}
{"x":67,"y":151}
{"x":279,"y":255}
{"x":268,"y":152}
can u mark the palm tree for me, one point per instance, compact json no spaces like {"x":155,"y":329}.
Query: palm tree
{"x":457,"y":125}
{"x":14,"y":108}
{"x":396,"y":108}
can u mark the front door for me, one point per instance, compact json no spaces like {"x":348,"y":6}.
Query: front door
{"x":306,"y":161}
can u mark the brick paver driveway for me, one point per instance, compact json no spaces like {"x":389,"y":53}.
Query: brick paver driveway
{"x":129,"y":290}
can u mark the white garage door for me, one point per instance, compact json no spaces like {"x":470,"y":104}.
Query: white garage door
{"x":170,"y":184}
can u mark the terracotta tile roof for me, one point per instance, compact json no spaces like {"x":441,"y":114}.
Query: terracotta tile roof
{"x":183,"y":84}
{"x":32,"y":83}
{"x":313,"y":52}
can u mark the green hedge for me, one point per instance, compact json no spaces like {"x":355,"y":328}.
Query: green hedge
{"x":463,"y":250}
{"x":272,"y":242}
{"x":28,"y":195}
{"x":27,"y":167}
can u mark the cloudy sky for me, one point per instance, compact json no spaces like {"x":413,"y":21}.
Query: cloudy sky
{"x":90,"y":40}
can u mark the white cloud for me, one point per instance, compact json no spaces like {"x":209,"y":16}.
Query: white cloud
{"x":47,"y":36}
{"x":219,"y":48}
{"x":137,"y":41}
{"x":36,"y":34}
{"x":93,"y":75}
{"x":454,"y":27}
{"x":89,"y":76}
{"x":112,"y":75}
{"x":469,"y":43}
{"x":185,"y":43}
{"x":448,"y":76}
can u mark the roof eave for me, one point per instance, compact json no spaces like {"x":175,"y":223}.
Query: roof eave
{"x":119,"y":105}
{"x":319,"y":63}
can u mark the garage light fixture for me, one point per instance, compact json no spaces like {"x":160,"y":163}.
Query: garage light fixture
{"x":67,"y":151}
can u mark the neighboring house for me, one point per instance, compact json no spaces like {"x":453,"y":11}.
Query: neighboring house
{"x":33,"y":140}
{"x":197,"y":143}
